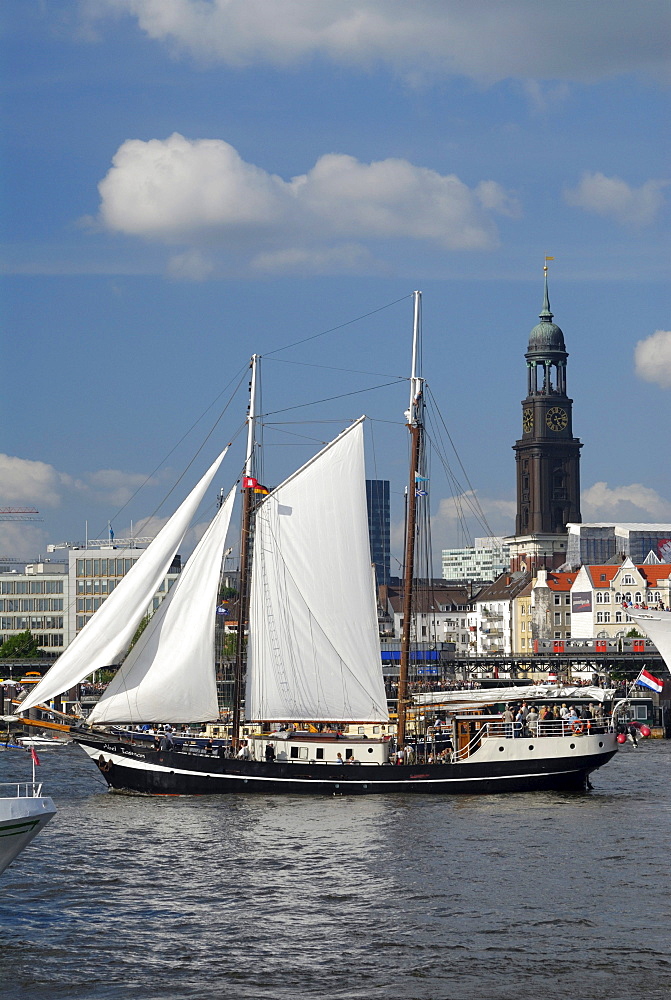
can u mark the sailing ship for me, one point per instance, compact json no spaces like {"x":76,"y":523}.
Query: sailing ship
{"x":313,"y":665}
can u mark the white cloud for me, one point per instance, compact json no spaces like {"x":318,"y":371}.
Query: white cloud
{"x":624,"y":503}
{"x":24,"y":482}
{"x":611,"y":196}
{"x":112,"y":486}
{"x":202,"y":192}
{"x":652,"y":357}
{"x":457,"y":522}
{"x":484,"y":39}
{"x":22,"y":540}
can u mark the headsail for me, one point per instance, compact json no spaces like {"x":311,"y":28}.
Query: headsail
{"x":314,"y":650}
{"x":169,"y":673}
{"x":106,"y":637}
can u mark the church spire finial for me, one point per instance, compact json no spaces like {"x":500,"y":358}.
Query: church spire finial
{"x":546,"y":313}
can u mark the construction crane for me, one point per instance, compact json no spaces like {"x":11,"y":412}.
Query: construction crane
{"x":19,"y":514}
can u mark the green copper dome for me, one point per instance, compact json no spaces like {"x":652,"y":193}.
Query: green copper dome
{"x":546,"y":335}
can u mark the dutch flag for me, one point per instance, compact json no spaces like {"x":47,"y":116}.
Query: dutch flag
{"x":646,"y":679}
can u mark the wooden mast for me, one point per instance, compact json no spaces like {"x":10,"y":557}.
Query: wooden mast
{"x":414,"y":418}
{"x":245,"y":551}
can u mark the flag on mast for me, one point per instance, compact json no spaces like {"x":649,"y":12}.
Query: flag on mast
{"x":36,"y":759}
{"x":646,"y":679}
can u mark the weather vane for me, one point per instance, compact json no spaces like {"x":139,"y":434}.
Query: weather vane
{"x":545,"y":266}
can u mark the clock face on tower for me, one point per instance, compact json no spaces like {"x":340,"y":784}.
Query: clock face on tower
{"x":556,"y":418}
{"x":528,"y":419}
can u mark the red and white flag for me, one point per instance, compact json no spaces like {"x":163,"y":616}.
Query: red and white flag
{"x":646,"y":679}
{"x":36,"y":759}
{"x":248,"y":482}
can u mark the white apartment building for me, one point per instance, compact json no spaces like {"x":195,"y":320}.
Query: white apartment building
{"x":485,"y":560}
{"x":598,"y":593}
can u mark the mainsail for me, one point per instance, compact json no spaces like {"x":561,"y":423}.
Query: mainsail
{"x":106,"y":637}
{"x":169,"y":673}
{"x":314,"y":650}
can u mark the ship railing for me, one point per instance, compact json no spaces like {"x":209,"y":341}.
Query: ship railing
{"x":21,"y":789}
{"x":545,"y":727}
{"x":532,"y":730}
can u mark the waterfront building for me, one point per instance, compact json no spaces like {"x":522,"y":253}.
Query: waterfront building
{"x":551,"y":605}
{"x":94,"y":573}
{"x":598,"y":593}
{"x":379,"y":533}
{"x":547,"y":454}
{"x":442,"y":613}
{"x":37,"y":599}
{"x":54,"y":600}
{"x":484,"y":561}
{"x":522,"y":623}
{"x":599,"y":542}
{"x":496,"y":614}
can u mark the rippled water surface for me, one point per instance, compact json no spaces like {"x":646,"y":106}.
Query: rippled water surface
{"x":422,"y":898}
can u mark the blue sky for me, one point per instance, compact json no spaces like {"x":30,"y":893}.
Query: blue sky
{"x":186,"y":182}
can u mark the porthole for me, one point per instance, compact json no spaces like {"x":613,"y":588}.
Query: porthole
{"x":572,"y":746}
{"x":370,"y":749}
{"x":600,"y":743}
{"x":531,"y":747}
{"x":501,"y":749}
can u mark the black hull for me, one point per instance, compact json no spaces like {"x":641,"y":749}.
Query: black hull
{"x":151,"y":772}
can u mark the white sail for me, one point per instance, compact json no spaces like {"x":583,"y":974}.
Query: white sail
{"x":168,"y":675}
{"x":106,"y":637}
{"x":657,"y":625}
{"x":314,"y":651}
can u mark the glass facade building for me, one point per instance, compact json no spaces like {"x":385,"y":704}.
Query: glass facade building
{"x":377,"y":500}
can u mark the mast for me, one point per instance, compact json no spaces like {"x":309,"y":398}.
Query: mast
{"x":245,"y":550}
{"x":414,"y":416}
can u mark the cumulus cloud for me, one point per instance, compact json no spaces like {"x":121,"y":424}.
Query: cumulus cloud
{"x":25,"y":482}
{"x":652,"y":358}
{"x":202,"y":193}
{"x":447,"y":525}
{"x":611,"y":196}
{"x":483,"y":39}
{"x":624,"y":503}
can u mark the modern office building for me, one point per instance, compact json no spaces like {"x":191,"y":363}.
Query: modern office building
{"x":54,"y":600}
{"x":596,"y":543}
{"x":37,"y":600}
{"x":484,"y":561}
{"x":95,"y":572}
{"x":377,"y":500}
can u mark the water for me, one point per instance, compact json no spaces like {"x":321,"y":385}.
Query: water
{"x":471,"y":898}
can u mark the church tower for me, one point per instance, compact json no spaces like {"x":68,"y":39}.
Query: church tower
{"x":547,"y":454}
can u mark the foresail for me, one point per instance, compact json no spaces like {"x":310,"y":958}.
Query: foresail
{"x":314,"y":650}
{"x":106,"y":637}
{"x":168,"y":676}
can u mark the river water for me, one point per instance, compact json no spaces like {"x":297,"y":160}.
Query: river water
{"x":421,"y":898}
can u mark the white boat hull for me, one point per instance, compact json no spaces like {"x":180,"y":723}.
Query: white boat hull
{"x":21,"y":819}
